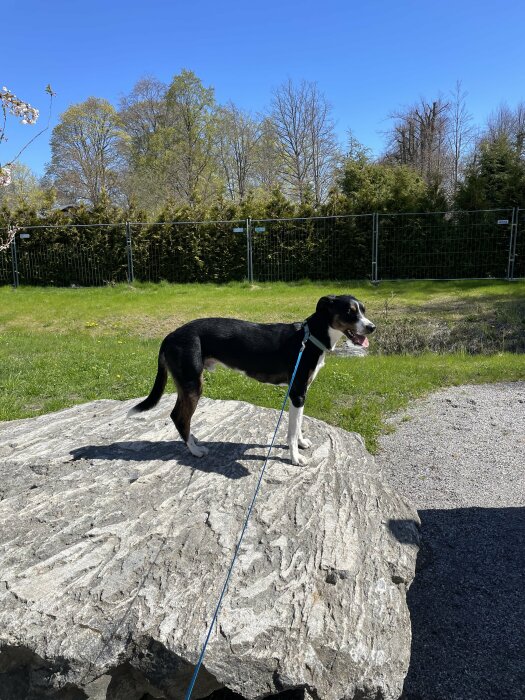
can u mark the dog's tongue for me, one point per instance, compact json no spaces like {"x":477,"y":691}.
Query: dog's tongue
{"x":357,"y":339}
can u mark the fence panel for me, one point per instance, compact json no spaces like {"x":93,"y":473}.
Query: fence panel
{"x":444,"y":245}
{"x":206,"y":251}
{"x":72,"y":255}
{"x":437,"y":245}
{"x":6,"y":265}
{"x":319,"y":248}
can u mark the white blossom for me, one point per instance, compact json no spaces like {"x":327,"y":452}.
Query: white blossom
{"x":5,"y":176}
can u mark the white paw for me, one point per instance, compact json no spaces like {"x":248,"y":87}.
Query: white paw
{"x":299,"y":461}
{"x":304,"y":443}
{"x":196,"y":450}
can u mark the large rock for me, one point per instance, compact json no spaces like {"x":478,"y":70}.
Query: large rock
{"x":115,"y":543}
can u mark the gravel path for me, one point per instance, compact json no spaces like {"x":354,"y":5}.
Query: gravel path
{"x":459,"y":456}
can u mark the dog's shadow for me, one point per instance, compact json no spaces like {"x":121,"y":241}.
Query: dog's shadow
{"x":222,"y":458}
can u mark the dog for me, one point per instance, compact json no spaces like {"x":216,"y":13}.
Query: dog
{"x":267,"y":352}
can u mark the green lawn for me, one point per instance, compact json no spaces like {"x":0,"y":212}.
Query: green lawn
{"x":59,"y":347}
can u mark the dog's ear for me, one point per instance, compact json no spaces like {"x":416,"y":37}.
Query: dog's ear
{"x":326,"y":303}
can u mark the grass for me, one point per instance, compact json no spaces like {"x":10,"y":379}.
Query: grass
{"x":59,"y":347}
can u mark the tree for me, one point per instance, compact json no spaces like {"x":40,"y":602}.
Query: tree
{"x":495,"y":177}
{"x":24,"y":190}
{"x":11,"y":104}
{"x":419,"y":139}
{"x":461,"y":134}
{"x":87,"y":152}
{"x":367,"y":187}
{"x":143,"y":113}
{"x":268,"y":166}
{"x":508,"y":122}
{"x":237,"y":138}
{"x":305,"y":139}
{"x":186,"y":142}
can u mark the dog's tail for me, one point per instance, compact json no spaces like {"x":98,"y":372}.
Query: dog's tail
{"x":157,"y":390}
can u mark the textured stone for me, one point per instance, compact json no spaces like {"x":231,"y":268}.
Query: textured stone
{"x":115,"y":543}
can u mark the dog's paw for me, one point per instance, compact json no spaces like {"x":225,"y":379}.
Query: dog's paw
{"x":299,"y":461}
{"x":195,"y":449}
{"x":304,"y":443}
{"x":198,"y":451}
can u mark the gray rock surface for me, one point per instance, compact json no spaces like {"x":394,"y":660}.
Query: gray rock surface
{"x":115,"y":542}
{"x":459,"y":455}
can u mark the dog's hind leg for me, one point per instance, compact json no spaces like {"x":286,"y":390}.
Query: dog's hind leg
{"x":187,"y":400}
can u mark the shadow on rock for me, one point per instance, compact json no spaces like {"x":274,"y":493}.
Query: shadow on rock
{"x":222,"y":458}
{"x":467,"y":606}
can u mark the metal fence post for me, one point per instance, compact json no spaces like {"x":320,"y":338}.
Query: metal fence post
{"x":512,"y":243}
{"x":249,"y":256}
{"x":129,"y":253}
{"x":14,"y":262}
{"x":375,"y":245}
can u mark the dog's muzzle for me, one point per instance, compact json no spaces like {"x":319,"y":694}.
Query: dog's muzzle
{"x":357,"y":338}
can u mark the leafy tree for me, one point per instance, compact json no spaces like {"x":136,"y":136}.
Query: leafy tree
{"x":142,"y":113}
{"x":367,"y":187}
{"x":24,"y":189}
{"x":268,"y":161}
{"x":87,"y":152}
{"x":186,"y":143}
{"x":509,"y":122}
{"x":495,"y":178}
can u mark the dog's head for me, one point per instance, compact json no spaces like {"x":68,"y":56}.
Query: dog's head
{"x":346,"y":314}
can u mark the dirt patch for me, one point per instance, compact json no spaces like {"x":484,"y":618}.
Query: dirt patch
{"x":486,"y":328}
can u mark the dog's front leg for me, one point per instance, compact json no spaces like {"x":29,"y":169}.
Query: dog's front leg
{"x":295,"y":418}
{"x":304,"y":443}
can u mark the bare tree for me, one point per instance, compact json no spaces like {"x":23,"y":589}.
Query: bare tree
{"x":305,"y":138}
{"x":237,"y":138}
{"x":508,"y":122}
{"x":461,"y":134}
{"x":325,"y":152}
{"x":142,"y":112}
{"x":419,"y":139}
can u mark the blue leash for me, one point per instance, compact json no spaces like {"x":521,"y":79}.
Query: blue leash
{"x":248,"y":514}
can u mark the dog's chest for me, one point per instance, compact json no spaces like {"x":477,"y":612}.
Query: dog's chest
{"x":315,"y":371}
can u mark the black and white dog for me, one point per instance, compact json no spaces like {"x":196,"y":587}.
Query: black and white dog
{"x":267,"y":352}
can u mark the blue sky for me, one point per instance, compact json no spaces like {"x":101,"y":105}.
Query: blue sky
{"x":369,"y":58}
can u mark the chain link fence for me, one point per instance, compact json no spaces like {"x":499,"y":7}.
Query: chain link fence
{"x":317,"y":248}
{"x":435,"y":245}
{"x":445,"y":245}
{"x":64,"y":256}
